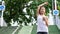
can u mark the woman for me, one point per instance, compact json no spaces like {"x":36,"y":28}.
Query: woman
{"x":42,"y":20}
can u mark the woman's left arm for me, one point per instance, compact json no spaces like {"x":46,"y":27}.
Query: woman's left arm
{"x":46,"y":20}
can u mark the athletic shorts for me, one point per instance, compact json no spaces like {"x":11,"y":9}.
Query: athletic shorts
{"x":42,"y":32}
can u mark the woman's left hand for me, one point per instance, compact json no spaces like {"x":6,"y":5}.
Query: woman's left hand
{"x":46,"y":20}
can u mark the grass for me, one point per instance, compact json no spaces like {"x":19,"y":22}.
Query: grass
{"x":34,"y":30}
{"x":53,"y":29}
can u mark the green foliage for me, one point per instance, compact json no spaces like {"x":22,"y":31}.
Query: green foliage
{"x":14,"y":10}
{"x":58,"y":7}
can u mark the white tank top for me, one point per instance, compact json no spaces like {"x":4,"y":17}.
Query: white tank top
{"x":41,"y":25}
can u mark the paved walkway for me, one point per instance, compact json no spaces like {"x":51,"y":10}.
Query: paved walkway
{"x":28,"y":30}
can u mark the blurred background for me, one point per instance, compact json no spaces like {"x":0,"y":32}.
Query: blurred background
{"x":19,"y":16}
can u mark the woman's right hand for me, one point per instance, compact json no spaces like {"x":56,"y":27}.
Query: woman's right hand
{"x":46,"y":3}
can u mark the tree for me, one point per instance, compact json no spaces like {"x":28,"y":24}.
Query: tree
{"x":14,"y":10}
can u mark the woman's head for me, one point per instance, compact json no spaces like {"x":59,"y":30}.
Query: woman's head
{"x":42,"y":10}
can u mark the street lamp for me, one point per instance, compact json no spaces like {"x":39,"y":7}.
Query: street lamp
{"x":2,"y":8}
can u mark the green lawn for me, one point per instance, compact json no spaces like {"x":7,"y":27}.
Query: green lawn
{"x":34,"y":30}
{"x":54,"y":30}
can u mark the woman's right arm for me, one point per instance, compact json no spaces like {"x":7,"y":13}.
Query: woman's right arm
{"x":40,"y":6}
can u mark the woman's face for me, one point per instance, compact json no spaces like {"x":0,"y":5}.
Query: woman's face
{"x":42,"y":10}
